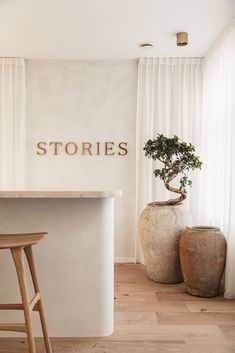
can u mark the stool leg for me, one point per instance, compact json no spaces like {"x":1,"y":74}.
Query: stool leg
{"x":17,"y":254}
{"x":29,"y":254}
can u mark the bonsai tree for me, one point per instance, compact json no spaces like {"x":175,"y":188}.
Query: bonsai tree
{"x":178,"y":158}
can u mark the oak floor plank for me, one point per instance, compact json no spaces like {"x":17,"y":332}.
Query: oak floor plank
{"x":229,"y":332}
{"x":150,"y":307}
{"x":212,"y":306}
{"x":210,"y":347}
{"x":184,"y":297}
{"x":199,"y":318}
{"x":94,"y":345}
{"x":194,"y":333}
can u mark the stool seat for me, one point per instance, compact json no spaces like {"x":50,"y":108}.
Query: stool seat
{"x":20,"y":240}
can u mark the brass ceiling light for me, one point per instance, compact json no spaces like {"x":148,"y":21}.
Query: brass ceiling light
{"x":182,"y":39}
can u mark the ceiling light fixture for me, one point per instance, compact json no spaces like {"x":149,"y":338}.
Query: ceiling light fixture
{"x":182,"y":39}
{"x":146,"y":45}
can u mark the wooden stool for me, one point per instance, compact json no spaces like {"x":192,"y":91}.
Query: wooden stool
{"x":18,"y":244}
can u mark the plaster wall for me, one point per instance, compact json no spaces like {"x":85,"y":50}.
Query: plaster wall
{"x":84,"y":101}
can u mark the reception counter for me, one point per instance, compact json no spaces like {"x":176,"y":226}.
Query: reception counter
{"x":75,"y":260}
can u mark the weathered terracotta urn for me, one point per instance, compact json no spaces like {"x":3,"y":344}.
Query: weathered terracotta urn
{"x":160,"y":229}
{"x":202,"y":255}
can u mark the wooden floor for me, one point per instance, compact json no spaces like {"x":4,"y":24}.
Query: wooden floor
{"x":153,"y":318}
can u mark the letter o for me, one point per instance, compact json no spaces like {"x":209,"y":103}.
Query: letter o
{"x":68,"y":148}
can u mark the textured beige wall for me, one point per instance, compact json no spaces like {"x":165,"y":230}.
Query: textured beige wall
{"x":85,"y":101}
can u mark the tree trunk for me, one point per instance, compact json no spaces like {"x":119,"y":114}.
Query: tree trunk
{"x":177,"y":200}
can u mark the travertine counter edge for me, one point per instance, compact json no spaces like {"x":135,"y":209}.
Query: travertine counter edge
{"x":59,"y":194}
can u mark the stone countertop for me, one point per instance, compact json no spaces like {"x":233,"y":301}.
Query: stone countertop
{"x":90,"y":194}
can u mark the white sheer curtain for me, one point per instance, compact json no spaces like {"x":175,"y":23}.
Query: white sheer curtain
{"x":12,"y":123}
{"x":169,"y":102}
{"x":217,"y":180}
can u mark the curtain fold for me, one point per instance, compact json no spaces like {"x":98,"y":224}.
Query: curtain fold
{"x":217,"y":181}
{"x":12,"y":123}
{"x":169,"y":102}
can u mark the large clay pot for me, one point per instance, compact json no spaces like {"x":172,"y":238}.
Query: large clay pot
{"x":160,"y":230}
{"x":202,"y":255}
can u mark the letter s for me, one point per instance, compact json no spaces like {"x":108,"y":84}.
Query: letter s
{"x":41,"y":150}
{"x":121,"y":147}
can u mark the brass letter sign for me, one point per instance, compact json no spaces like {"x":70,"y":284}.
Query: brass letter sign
{"x":71,"y":148}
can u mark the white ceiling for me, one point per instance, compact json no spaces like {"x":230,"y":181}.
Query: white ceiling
{"x":109,"y":29}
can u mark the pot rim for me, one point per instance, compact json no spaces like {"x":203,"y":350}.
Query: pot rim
{"x":204,"y":228}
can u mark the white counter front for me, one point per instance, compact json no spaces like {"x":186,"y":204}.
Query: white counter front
{"x":74,"y":261}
